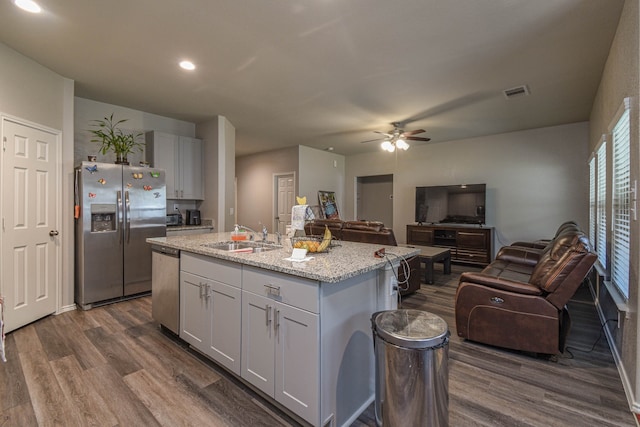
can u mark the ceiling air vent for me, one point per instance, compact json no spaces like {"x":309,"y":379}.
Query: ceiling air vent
{"x":517,"y":91}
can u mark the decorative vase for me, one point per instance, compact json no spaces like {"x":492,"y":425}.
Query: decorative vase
{"x":121,"y":159}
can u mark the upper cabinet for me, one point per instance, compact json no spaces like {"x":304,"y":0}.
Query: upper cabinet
{"x":181,"y":158}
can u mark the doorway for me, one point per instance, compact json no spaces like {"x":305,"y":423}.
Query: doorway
{"x":374,"y":198}
{"x":31,"y":206}
{"x":284,"y":198}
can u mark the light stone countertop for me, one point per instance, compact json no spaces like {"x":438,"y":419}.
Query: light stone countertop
{"x":189,"y":227}
{"x":342,"y":261}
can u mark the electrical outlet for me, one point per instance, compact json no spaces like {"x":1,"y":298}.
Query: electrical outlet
{"x":175,"y":208}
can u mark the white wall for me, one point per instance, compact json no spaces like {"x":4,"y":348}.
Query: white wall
{"x":536,"y":179}
{"x":34,"y":93}
{"x":322,"y":170}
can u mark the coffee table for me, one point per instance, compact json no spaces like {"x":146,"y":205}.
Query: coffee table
{"x":430,"y":254}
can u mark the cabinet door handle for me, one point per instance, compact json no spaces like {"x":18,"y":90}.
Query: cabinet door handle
{"x":268,"y":314}
{"x":207,"y":293}
{"x":201,"y":286}
{"x":276,"y":325}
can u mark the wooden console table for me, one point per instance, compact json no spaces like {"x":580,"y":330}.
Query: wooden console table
{"x":468,"y":244}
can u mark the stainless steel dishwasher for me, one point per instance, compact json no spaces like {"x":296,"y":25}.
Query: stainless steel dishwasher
{"x":165,"y":287}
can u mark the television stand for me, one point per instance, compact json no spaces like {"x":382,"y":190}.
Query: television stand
{"x":468,"y":244}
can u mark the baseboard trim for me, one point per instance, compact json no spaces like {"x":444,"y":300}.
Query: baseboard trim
{"x":66,"y":308}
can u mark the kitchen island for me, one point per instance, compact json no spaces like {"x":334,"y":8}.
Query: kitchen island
{"x":297,"y":332}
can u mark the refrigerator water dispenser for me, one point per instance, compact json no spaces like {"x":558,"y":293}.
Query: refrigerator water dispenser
{"x":103,"y":217}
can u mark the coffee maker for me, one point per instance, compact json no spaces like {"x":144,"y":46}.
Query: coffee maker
{"x":193,"y":217}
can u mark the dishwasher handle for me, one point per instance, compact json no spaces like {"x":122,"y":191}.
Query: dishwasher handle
{"x":173,"y":252}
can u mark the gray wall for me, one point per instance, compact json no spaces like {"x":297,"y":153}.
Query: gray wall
{"x":34,"y":93}
{"x":535,"y":179}
{"x":619,"y":80}
{"x":255,"y":185}
{"x":321,"y":171}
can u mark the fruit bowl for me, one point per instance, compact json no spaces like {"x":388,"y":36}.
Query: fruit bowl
{"x":313,"y":244}
{"x":310,"y":243}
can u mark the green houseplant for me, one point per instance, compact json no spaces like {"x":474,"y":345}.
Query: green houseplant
{"x":113,"y":138}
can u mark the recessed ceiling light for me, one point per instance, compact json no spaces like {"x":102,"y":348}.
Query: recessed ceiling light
{"x":28,"y":5}
{"x":187,"y":65}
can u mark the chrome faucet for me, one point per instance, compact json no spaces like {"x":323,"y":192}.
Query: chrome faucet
{"x":265,"y":232}
{"x":237,"y":228}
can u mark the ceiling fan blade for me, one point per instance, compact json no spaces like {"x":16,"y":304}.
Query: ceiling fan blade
{"x":371,"y":140}
{"x":417,"y":138}
{"x":382,"y":133}
{"x":413,"y":132}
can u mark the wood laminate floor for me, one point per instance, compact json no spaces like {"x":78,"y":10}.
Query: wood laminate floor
{"x":113,"y":366}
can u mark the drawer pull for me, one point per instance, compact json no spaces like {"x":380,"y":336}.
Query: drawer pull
{"x":273,"y":290}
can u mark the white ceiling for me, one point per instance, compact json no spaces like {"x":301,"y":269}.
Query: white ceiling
{"x":326,"y":73}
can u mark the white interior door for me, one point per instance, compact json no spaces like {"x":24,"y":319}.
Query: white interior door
{"x":286,"y":185}
{"x":30,"y":221}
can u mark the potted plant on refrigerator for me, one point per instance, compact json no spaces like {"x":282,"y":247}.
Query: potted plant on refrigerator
{"x":113,"y":138}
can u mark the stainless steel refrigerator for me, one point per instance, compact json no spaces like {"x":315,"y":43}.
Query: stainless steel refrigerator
{"x":117,"y":208}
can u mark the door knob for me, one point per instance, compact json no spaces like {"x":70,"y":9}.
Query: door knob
{"x":53,"y":233}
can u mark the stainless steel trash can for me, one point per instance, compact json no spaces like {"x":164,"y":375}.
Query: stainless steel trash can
{"x":412,"y":377}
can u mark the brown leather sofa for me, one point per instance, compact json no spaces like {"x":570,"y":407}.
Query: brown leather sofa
{"x":519,"y":300}
{"x":368,"y":232}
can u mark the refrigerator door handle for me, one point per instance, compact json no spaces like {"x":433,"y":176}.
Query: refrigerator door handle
{"x":119,"y":213}
{"x":127,"y":204}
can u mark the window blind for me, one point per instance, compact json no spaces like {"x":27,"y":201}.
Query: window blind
{"x":620,"y":215}
{"x":601,"y":201}
{"x":592,"y":200}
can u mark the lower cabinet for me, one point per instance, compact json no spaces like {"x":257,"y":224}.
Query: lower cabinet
{"x":211,"y":316}
{"x":280,"y":353}
{"x":278,"y":332}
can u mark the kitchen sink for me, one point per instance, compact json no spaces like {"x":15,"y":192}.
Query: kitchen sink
{"x":248,"y":247}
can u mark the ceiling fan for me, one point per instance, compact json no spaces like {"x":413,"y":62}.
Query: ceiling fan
{"x":397,"y":138}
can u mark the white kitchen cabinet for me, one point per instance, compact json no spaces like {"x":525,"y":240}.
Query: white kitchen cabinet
{"x":211,"y":310}
{"x":190,"y":157}
{"x":280,"y":342}
{"x":279,"y":332}
{"x":181,"y":157}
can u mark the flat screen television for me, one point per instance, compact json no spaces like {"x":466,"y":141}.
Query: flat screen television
{"x":456,"y":204}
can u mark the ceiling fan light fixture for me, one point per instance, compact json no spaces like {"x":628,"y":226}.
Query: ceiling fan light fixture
{"x":388,"y":146}
{"x":402,"y":145}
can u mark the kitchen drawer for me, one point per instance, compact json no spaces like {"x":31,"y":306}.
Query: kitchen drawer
{"x":295,"y":291}
{"x":210,"y":268}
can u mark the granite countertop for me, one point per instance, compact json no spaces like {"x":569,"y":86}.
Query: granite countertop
{"x":342,"y":261}
{"x":188,"y":227}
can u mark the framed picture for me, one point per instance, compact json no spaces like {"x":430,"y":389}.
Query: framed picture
{"x":328,"y":204}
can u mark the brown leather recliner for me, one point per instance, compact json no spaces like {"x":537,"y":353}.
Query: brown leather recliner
{"x":543,"y":243}
{"x":523,"y":306}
